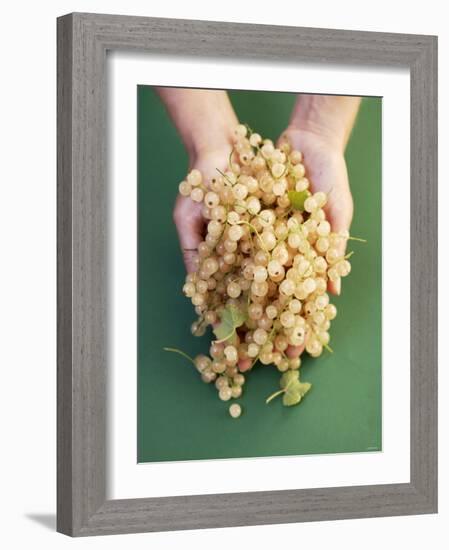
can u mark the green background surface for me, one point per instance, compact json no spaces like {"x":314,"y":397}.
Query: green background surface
{"x":180,"y":417}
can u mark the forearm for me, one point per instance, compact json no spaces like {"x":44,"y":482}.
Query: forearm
{"x":204,"y":119}
{"x":331,"y":117}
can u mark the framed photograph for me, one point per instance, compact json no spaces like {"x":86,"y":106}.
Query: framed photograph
{"x":247,"y":274}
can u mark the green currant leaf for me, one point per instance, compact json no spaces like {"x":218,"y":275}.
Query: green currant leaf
{"x":292,"y":389}
{"x":223,"y":331}
{"x":295,"y":392}
{"x":291,"y":397}
{"x":288,"y":378}
{"x":298,"y":198}
{"x":304,"y":387}
{"x":232,"y":339}
{"x":238,"y":315}
{"x":231,"y":317}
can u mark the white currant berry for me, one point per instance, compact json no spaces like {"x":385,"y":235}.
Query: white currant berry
{"x":240,"y":131}
{"x":197,"y":194}
{"x":225,"y":393}
{"x":185,"y":188}
{"x":235,"y":410}
{"x":194,"y":177}
{"x":295,"y":157}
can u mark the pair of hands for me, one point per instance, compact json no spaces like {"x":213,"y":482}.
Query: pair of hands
{"x":325,"y":167}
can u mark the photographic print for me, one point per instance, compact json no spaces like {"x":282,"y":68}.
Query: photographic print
{"x":259,"y":274}
{"x":252,"y":247}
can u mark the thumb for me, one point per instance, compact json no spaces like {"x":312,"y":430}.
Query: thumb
{"x":187,"y":214}
{"x":190,"y":226}
{"x":339,"y":214}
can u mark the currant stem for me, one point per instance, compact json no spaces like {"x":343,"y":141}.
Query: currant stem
{"x":230,"y":159}
{"x":274,"y":395}
{"x":357,"y":239}
{"x":225,"y":176}
{"x":185,"y":355}
{"x":257,"y":233}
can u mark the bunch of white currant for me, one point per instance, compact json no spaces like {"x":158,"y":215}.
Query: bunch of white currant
{"x":263,"y":267}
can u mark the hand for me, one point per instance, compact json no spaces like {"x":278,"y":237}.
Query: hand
{"x":187,"y":214}
{"x":326,"y":169}
{"x":205,"y":121}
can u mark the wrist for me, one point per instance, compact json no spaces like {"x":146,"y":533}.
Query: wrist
{"x":210,"y":139}
{"x":204,"y":119}
{"x":326,"y":137}
{"x":328,"y":118}
{"x":320,"y":138}
{"x":206,"y":122}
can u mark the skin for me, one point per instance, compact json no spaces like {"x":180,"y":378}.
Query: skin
{"x":319,"y":127}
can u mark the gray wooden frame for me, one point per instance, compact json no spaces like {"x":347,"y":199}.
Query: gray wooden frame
{"x":83,"y":40}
